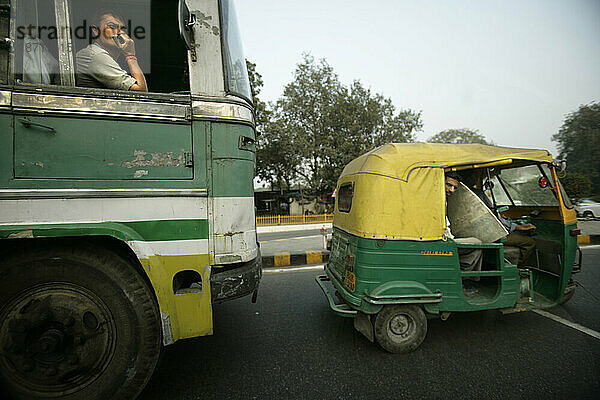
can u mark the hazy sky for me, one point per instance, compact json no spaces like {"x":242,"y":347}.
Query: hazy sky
{"x":511,"y":69}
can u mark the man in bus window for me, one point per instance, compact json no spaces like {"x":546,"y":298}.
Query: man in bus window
{"x":470,"y":259}
{"x":97,"y":63}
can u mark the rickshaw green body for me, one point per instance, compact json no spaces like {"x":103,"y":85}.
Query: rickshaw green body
{"x":371,"y":267}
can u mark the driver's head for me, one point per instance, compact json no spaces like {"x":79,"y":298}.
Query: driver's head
{"x":452,"y":180}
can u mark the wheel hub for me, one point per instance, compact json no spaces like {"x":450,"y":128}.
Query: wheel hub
{"x":56,"y":337}
{"x":51,"y":341}
{"x":399,"y":324}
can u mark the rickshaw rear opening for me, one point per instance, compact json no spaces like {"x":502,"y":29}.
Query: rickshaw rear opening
{"x":394,"y":262}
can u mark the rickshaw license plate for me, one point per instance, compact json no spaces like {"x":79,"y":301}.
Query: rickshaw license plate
{"x":350,"y":281}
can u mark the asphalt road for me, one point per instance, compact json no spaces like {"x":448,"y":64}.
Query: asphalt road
{"x":289,"y":345}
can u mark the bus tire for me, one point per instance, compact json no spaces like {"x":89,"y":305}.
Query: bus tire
{"x":75,"y":324}
{"x":400,"y":328}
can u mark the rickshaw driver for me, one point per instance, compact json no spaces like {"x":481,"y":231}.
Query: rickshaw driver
{"x":470,"y":259}
{"x":525,"y":244}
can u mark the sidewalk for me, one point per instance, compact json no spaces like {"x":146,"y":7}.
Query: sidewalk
{"x":590,"y":232}
{"x":301,"y":257}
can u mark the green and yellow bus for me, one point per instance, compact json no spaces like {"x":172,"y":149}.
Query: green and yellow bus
{"x":124,"y":214}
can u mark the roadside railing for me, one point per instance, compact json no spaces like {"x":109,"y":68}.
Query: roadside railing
{"x":268,"y":220}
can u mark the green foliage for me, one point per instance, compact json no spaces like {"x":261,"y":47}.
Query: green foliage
{"x":577,"y":186}
{"x":261,"y":112}
{"x":463,"y":135}
{"x":319,"y":125}
{"x":579,"y":142}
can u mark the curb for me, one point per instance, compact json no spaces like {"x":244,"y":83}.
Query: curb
{"x":301,"y":258}
{"x":588,"y":239}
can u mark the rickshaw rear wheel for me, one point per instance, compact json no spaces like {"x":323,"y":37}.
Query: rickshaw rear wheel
{"x":400,"y":328}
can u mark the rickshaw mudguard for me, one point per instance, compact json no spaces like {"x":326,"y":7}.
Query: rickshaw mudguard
{"x":402,"y":292}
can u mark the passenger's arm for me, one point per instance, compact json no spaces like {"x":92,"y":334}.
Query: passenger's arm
{"x":136,"y":72}
{"x":127,"y":46}
{"x":525,"y":227}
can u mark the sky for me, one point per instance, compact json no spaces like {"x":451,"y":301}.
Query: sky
{"x":511,"y":69}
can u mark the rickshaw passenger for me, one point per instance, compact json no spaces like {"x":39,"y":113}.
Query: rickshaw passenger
{"x":470,"y":259}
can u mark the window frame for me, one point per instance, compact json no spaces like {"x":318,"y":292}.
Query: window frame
{"x":228,"y":90}
{"x":66,"y":60}
{"x":340,"y":195}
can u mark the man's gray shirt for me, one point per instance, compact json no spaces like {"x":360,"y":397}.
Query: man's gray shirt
{"x":96,"y":68}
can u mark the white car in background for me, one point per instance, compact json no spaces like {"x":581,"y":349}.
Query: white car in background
{"x":588,"y":209}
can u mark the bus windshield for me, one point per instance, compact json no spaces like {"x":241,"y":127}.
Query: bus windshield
{"x":236,"y":73}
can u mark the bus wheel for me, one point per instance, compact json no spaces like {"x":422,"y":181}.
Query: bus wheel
{"x":400,"y":328}
{"x":75,"y":325}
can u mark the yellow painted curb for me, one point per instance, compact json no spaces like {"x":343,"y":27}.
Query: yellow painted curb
{"x":314,"y":257}
{"x":281,"y":259}
{"x":583,"y":239}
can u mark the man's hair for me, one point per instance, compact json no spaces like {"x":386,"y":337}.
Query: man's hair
{"x":101,"y":12}
{"x":454,"y":175}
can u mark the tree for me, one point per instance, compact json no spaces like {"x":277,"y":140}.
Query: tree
{"x":261,"y":112}
{"x":577,"y":186}
{"x":462,"y":135}
{"x":327,"y":124}
{"x":579,"y":142}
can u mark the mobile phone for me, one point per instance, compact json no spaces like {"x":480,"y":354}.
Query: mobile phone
{"x":119,"y":39}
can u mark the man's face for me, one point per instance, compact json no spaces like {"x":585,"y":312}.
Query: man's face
{"x":110,"y":28}
{"x":451,"y":186}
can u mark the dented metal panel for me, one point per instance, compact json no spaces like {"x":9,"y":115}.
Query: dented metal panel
{"x":49,"y":147}
{"x":221,"y":111}
{"x":234,"y":238}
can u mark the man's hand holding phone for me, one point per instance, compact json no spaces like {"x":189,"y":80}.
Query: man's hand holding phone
{"x":125,"y":44}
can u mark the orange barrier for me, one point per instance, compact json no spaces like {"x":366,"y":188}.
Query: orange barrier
{"x":268,"y":220}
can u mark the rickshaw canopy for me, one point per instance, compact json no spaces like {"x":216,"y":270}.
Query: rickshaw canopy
{"x":398,"y":189}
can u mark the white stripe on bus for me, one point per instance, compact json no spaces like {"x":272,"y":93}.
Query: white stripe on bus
{"x":229,"y":211}
{"x":169,"y":248}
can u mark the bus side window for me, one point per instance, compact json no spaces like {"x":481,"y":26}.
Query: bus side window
{"x":153,"y":27}
{"x":36,"y":44}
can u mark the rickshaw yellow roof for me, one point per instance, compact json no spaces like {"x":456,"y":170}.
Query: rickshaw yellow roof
{"x":397,"y":160}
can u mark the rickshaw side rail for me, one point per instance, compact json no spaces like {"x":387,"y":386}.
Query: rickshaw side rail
{"x":404,"y":299}
{"x":481,"y":273}
{"x":480,"y":246}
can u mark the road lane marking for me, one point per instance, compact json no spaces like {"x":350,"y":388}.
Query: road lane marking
{"x":566,"y":322}
{"x":590,"y":246}
{"x":293,"y":269}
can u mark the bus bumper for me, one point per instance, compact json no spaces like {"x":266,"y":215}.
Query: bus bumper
{"x":229,"y":283}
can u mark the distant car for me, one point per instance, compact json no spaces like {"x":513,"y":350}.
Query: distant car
{"x":588,"y":209}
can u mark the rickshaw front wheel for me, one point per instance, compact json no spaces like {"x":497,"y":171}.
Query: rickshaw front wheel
{"x":400,"y":328}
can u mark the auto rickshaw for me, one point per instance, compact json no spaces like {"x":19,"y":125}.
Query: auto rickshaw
{"x":393,"y":266}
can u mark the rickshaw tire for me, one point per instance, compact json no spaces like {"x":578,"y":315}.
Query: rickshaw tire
{"x":400,"y":328}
